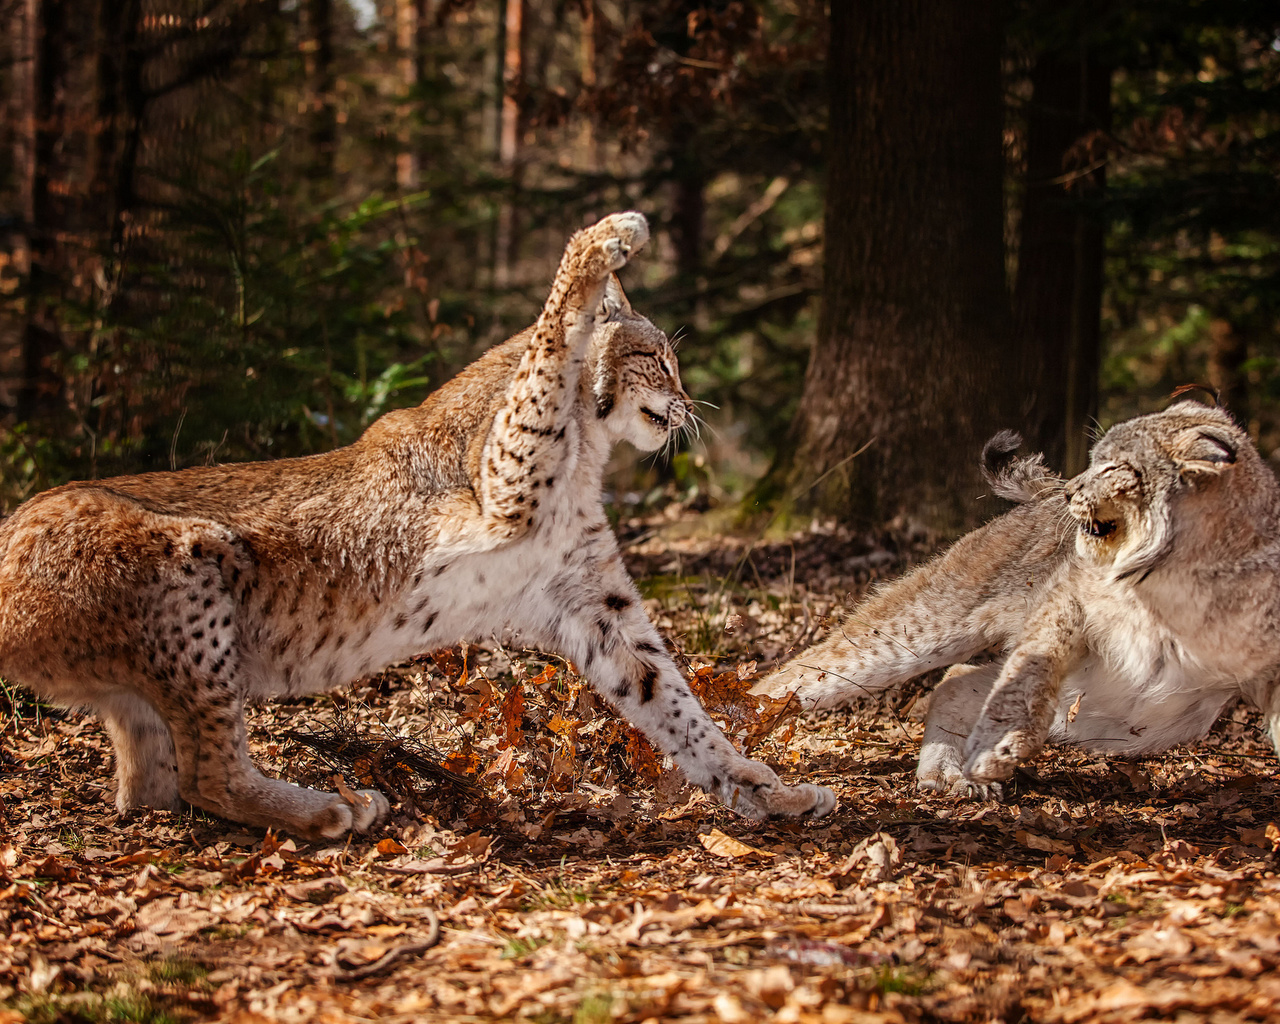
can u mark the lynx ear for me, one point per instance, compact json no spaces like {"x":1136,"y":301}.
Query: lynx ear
{"x":1203,"y":452}
{"x":615,"y":300}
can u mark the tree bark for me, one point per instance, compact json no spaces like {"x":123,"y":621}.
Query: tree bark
{"x":1058,"y":295}
{"x":912,"y":357}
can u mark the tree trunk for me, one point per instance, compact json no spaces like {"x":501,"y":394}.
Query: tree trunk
{"x":1058,"y":295}
{"x":912,"y":356}
{"x":408,"y":63}
{"x":322,"y":117}
{"x":38,"y":395}
{"x":509,"y":130}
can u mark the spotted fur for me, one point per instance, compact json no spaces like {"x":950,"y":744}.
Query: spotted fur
{"x":166,"y":601}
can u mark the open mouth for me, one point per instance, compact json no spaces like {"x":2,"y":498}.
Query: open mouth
{"x":1099,"y":528}
{"x":654,"y":418}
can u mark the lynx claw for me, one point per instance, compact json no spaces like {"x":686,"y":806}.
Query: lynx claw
{"x":988,"y":766}
{"x":962,"y":788}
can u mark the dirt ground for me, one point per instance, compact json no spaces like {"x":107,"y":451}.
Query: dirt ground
{"x":577,"y":880}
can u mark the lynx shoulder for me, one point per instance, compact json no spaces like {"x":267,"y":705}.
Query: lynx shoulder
{"x":1126,"y":607}
{"x":164,"y":601}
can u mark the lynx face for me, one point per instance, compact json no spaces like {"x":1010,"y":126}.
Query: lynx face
{"x":1106,"y":501}
{"x":638,"y":391}
{"x":1129,"y":504}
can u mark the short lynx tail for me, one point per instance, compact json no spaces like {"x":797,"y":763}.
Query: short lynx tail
{"x":1017,"y":478}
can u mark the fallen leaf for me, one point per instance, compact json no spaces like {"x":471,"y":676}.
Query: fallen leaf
{"x":721,"y":845}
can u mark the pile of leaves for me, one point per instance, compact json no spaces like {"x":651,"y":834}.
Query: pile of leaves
{"x":576,"y":878}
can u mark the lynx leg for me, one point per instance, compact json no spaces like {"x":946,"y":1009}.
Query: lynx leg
{"x":146,"y":768}
{"x":219,"y":777}
{"x":527,"y":443}
{"x":954,"y":708}
{"x":198,"y":685}
{"x":602,"y":627}
{"x":1019,"y":710}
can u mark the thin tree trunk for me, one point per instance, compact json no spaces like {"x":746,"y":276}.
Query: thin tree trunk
{"x":1228,"y":351}
{"x":506,"y":240}
{"x":407,"y":61}
{"x":1058,"y":295}
{"x":322,"y":118}
{"x":912,"y":354}
{"x":38,"y":396}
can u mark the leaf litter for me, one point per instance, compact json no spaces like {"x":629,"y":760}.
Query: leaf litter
{"x":543,"y":864}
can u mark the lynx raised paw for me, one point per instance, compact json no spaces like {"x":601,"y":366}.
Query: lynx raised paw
{"x":625,"y":234}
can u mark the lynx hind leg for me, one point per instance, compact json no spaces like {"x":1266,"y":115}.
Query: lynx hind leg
{"x":954,"y":707}
{"x":146,"y":766}
{"x":196,"y":681}
{"x":601,"y":626}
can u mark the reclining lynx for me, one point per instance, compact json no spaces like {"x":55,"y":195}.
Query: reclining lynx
{"x":165,"y":601}
{"x":1129,"y":638}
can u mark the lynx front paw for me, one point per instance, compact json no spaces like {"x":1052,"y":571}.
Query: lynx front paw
{"x":622,"y":234}
{"x":368,"y":810}
{"x":757,"y":792}
{"x":995,"y":761}
{"x":940,"y":771}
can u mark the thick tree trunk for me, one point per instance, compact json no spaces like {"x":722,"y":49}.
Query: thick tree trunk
{"x":1058,"y":296}
{"x":912,"y":356}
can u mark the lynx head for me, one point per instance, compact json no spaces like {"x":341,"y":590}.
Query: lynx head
{"x":635,"y":377}
{"x":1185,"y":479}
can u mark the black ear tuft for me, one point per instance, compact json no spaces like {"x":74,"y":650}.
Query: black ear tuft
{"x":1181,"y":392}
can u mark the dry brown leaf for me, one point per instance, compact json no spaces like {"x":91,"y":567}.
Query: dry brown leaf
{"x":721,"y":845}
{"x":1038,"y":842}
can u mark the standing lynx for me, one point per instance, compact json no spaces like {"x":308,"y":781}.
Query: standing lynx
{"x":165,"y":601}
{"x":1128,"y":605}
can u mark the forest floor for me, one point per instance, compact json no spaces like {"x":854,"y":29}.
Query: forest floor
{"x":576,"y":880}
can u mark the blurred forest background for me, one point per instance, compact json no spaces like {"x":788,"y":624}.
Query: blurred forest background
{"x":237,"y":229}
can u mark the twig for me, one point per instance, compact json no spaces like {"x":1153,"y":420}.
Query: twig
{"x":384,"y":962}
